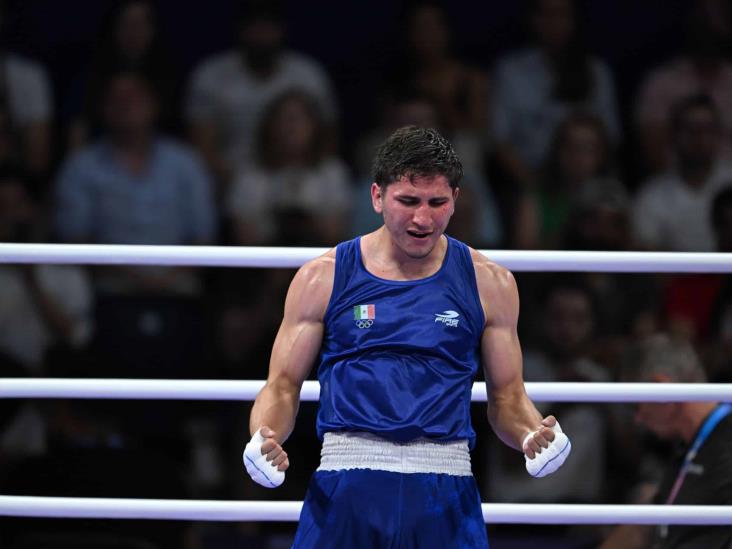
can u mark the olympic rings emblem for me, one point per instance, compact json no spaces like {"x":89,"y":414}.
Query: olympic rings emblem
{"x":365,"y":323}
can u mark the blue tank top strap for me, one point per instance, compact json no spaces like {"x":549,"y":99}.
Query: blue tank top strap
{"x":347,"y":259}
{"x":465,"y":265}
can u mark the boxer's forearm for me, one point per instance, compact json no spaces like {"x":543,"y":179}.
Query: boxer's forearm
{"x":276,"y":407}
{"x":512,"y":417}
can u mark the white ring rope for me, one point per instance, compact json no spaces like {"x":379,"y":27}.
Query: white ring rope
{"x":551,"y":261}
{"x":253,"y":256}
{"x":493,"y":513}
{"x":192,"y":389}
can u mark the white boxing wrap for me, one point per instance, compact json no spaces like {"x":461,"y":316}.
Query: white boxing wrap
{"x":261,"y":470}
{"x":550,"y":459}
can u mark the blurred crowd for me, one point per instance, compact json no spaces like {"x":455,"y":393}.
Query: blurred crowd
{"x":252,"y":146}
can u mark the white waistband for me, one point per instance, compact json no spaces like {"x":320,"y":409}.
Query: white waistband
{"x":349,"y":450}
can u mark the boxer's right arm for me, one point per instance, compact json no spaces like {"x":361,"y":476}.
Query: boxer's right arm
{"x":295,"y":348}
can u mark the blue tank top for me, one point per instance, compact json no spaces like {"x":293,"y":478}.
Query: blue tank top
{"x":398,"y":358}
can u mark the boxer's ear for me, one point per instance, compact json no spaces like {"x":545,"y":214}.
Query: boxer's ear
{"x":377,"y":198}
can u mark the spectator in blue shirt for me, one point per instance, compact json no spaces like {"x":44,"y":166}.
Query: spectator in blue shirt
{"x":134,"y":186}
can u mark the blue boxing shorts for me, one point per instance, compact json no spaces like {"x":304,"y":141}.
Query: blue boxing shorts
{"x":368,"y":507}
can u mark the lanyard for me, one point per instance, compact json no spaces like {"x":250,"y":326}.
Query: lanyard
{"x":719,"y":413}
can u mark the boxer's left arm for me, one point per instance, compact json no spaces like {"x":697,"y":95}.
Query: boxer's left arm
{"x":295,"y":349}
{"x":510,"y":411}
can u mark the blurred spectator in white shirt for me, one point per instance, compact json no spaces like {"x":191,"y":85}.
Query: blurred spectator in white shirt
{"x":703,"y":67}
{"x":296,"y":192}
{"x":229,"y":92}
{"x":672,"y":210}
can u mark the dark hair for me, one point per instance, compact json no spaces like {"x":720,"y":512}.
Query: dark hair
{"x":266,"y":150}
{"x":697,"y":101}
{"x":413,"y":151}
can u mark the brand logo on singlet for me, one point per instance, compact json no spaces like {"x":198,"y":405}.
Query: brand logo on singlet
{"x":448,"y":318}
{"x":364,"y":315}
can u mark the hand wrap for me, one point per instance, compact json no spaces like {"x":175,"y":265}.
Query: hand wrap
{"x":550,"y":459}
{"x":261,"y":470}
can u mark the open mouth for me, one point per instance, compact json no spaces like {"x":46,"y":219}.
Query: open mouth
{"x":418,"y":234}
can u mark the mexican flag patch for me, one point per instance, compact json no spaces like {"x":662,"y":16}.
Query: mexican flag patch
{"x":364,"y":312}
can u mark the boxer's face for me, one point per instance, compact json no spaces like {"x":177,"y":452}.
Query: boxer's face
{"x":416,"y":211}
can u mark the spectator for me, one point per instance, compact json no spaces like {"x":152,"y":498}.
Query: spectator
{"x":297,"y":192}
{"x":537,"y":87}
{"x":581,"y":155}
{"x":458,"y":91}
{"x":229,"y":92}
{"x":672,"y":210}
{"x":133,"y":186}
{"x":703,"y":68}
{"x":129,"y":40}
{"x":703,"y":476}
{"x":25,"y":110}
{"x":45,"y":313}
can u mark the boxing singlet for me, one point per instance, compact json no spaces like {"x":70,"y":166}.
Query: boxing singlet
{"x":399,"y":357}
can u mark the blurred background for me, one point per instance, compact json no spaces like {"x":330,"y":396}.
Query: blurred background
{"x":582,"y":125}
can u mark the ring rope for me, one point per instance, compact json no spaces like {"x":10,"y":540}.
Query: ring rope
{"x":194,"y":389}
{"x":494,"y":513}
{"x":546,"y":261}
{"x":261,"y":256}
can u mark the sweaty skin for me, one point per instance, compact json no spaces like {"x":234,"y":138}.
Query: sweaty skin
{"x":409,"y":246}
{"x":510,"y":412}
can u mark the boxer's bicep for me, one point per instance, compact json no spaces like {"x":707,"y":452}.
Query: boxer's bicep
{"x":299,"y":338}
{"x":294,"y":352}
{"x":499,"y":346}
{"x":510,"y":412}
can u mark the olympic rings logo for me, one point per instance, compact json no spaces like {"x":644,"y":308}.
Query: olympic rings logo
{"x":365,"y":323}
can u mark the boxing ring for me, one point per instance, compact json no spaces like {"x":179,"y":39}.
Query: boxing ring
{"x":206,"y":510}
